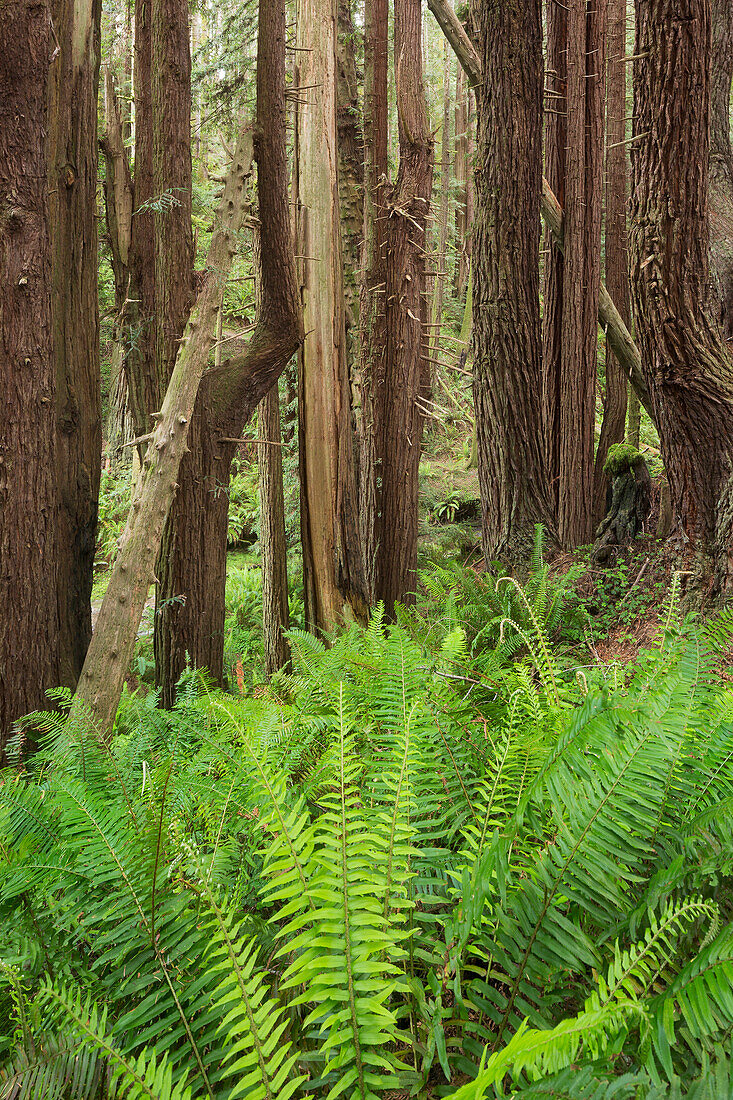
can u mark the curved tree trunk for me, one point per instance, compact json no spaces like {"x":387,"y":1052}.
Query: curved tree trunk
{"x":72,"y":183}
{"x":29,"y":623}
{"x":688,"y":370}
{"x":275,"y":615}
{"x":507,"y":385}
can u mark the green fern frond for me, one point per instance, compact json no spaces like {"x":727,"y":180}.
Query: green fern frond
{"x":140,"y":1078}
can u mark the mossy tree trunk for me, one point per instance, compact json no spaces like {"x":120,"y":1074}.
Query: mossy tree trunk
{"x":29,"y":621}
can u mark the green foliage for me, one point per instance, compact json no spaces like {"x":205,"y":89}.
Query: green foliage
{"x":427,"y":861}
{"x":621,"y":456}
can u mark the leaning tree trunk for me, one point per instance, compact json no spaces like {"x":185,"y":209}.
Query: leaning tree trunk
{"x":29,"y":624}
{"x":721,"y":166}
{"x":515,"y":493}
{"x":409,"y":206}
{"x":332,"y":569}
{"x":373,"y":333}
{"x":688,"y":371}
{"x":275,"y":615}
{"x":72,"y":182}
{"x":232,"y":393}
{"x":581,"y":269}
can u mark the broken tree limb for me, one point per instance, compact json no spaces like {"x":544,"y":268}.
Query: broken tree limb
{"x":609,"y":317}
{"x":109,"y":654}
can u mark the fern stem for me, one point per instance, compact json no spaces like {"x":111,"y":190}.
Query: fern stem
{"x":345,"y":891}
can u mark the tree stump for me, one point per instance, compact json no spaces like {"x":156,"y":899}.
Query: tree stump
{"x":630,"y":501}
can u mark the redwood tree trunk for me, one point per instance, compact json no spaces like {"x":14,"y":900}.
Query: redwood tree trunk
{"x":332,"y":569}
{"x":409,"y":206}
{"x":373,"y":342}
{"x":462,"y":173}
{"x":721,"y":166}
{"x":143,"y":383}
{"x":513,"y":479}
{"x":581,"y":269}
{"x":613,"y":425}
{"x":351,"y":169}
{"x":72,"y":180}
{"x":232,"y":392}
{"x":687,"y":368}
{"x":275,"y":616}
{"x":556,"y":139}
{"x":180,"y":569}
{"x":29,"y":623}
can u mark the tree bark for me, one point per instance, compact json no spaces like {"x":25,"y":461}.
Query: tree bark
{"x":688,"y":371}
{"x":373,"y":311}
{"x":556,"y":140}
{"x":613,"y":425}
{"x":351,"y":170}
{"x":144,"y":391}
{"x":581,"y":269}
{"x":232,"y":393}
{"x":118,"y":204}
{"x":462,"y":174}
{"x":721,"y":167}
{"x":179,"y":565}
{"x":72,"y":182}
{"x":443,"y":209}
{"x":29,"y":623}
{"x":552,"y":212}
{"x":515,"y":493}
{"x":406,"y":312}
{"x":332,"y":568}
{"x":275,"y":615}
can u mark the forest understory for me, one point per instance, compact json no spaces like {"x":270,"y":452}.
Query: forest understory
{"x":366,"y":550}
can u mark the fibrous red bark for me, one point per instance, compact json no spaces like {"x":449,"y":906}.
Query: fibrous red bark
{"x":29,"y":622}
{"x":688,"y":370}
{"x":515,"y":493}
